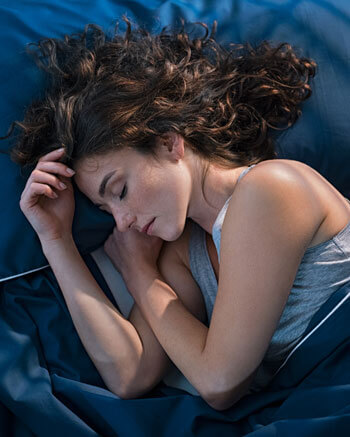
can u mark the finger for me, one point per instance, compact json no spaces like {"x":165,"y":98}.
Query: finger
{"x":55,"y":154}
{"x":47,"y":178}
{"x":36,"y":190}
{"x":55,"y":167}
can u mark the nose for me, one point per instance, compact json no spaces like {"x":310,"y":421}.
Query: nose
{"x":123,"y":220}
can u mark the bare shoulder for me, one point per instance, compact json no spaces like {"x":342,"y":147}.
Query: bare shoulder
{"x":289,"y":173}
{"x":306,"y":191}
{"x":286,"y":182}
{"x":272,"y":197}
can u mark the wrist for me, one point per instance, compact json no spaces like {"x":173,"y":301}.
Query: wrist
{"x":138,"y":282}
{"x":50,"y":246}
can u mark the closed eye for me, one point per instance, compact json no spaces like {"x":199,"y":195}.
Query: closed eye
{"x":123,"y":193}
{"x":101,"y":207}
{"x":104,"y":210}
{"x":121,"y":197}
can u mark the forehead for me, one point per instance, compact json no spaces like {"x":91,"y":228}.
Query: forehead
{"x":91,"y":170}
{"x":93,"y":165}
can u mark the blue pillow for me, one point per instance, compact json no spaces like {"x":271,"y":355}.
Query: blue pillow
{"x":320,"y":137}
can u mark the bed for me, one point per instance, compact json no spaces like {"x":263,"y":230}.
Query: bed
{"x":48,"y":384}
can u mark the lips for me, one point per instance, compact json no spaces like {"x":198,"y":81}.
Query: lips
{"x":145,"y":228}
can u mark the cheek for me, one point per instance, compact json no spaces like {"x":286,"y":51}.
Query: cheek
{"x":148,"y":196}
{"x":165,"y":195}
{"x":173,"y":229}
{"x":174,"y":217}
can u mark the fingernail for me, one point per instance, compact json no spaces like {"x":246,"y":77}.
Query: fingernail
{"x":70,"y":171}
{"x":55,"y":195}
{"x":62,"y":185}
{"x":60,"y":149}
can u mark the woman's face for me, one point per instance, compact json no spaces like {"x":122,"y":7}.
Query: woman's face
{"x":140,"y":192}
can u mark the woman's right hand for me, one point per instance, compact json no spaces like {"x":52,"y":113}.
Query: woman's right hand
{"x":48,"y":206}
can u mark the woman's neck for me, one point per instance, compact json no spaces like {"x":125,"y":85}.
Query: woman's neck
{"x":218,"y":186}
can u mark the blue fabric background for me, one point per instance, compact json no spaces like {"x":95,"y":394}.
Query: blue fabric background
{"x":48,"y":384}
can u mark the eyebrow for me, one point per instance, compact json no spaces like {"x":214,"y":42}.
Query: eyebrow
{"x":102,"y":189}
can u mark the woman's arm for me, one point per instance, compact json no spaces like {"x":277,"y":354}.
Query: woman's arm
{"x":125,"y":352}
{"x":128,"y":358}
{"x":265,"y":234}
{"x":155,"y":362}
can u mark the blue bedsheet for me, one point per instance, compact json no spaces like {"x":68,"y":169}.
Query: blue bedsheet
{"x":48,"y":384}
{"x":49,"y":387}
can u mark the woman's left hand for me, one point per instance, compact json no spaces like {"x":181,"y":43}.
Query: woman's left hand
{"x":133,"y":252}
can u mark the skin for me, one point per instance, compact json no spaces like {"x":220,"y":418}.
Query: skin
{"x":167,"y":189}
{"x":175,"y":178}
{"x":265,"y":232}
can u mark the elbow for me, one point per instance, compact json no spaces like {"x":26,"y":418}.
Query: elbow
{"x":127,"y":379}
{"x":132,"y":390}
{"x":122,"y":392}
{"x":126,"y":392}
{"x":219,"y":401}
{"x":221,"y":396}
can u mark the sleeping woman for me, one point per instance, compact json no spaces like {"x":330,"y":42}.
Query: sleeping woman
{"x":227,"y":250}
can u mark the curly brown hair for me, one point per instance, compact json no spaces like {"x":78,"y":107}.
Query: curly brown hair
{"x":106,"y":94}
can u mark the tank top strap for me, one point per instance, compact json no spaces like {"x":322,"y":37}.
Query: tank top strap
{"x":245,"y":171}
{"x":216,"y":229}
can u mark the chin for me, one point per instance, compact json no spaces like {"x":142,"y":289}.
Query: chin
{"x":173,"y":234}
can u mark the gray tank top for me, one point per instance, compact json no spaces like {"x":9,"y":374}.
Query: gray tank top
{"x":323,"y":269}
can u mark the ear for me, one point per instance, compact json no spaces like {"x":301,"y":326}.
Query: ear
{"x":171,"y":146}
